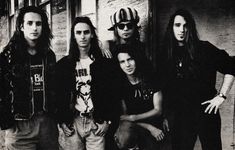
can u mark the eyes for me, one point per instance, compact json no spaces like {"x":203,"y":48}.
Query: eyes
{"x":86,"y":32}
{"x":180,"y":24}
{"x":38,"y":23}
{"x":127,"y":60}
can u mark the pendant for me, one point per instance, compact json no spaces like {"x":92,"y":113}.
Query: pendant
{"x":180,"y":64}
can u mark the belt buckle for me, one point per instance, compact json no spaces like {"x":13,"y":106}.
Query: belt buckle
{"x":85,"y":114}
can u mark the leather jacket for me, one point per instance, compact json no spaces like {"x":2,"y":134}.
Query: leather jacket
{"x":15,"y":84}
{"x":104,"y":90}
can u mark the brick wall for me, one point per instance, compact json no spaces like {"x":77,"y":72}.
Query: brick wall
{"x":59,"y":30}
{"x":3,"y":32}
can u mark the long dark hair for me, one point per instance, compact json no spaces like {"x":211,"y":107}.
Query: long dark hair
{"x":73,"y":48}
{"x":18,"y":43}
{"x":191,"y":39}
{"x":44,"y":40}
{"x":141,"y":68}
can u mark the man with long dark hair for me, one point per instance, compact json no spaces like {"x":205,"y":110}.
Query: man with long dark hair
{"x":87,"y":105}
{"x":26,"y":84}
{"x":189,"y":68}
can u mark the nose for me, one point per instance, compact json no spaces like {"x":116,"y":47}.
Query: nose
{"x":125,"y":28}
{"x":34,"y":26}
{"x":182,"y":29}
{"x":127,"y":64}
{"x":82,"y":35}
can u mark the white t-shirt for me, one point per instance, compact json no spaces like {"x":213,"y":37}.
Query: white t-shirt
{"x":83,"y":87}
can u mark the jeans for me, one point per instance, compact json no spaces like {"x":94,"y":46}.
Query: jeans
{"x":38,"y":133}
{"x":84,"y":137}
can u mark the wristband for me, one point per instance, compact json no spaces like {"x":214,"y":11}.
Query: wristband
{"x":222,"y":96}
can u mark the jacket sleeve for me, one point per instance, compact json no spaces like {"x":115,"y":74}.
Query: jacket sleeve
{"x":224,"y":63}
{"x":6,"y":119}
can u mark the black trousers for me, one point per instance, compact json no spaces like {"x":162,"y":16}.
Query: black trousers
{"x":187,"y":125}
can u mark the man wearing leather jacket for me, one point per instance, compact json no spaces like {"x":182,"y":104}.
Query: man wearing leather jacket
{"x":26,"y":84}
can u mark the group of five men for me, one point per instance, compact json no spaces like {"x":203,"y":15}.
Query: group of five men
{"x":82,"y":92}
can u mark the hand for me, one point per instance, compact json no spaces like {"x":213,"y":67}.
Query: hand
{"x":106,"y":53}
{"x":101,"y":129}
{"x":165,"y":125}
{"x":131,"y":118}
{"x":213,"y":104}
{"x":157,"y":133}
{"x":68,"y":131}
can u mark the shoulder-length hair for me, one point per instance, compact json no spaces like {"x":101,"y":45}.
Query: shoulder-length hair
{"x":191,"y":39}
{"x":18,"y":43}
{"x":95,"y":51}
{"x":141,"y":70}
{"x":44,"y":41}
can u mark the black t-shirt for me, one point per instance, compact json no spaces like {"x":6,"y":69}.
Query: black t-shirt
{"x":139,"y":99}
{"x":37,"y":82}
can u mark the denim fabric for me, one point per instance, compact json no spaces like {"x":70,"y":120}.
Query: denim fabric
{"x":84,"y":137}
{"x":38,"y":133}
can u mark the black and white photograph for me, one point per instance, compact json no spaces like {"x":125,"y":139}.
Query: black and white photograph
{"x":117,"y":75}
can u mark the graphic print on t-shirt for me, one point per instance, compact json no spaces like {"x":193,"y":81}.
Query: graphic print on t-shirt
{"x":37,"y":83}
{"x":37,"y":77}
{"x":83,"y":85}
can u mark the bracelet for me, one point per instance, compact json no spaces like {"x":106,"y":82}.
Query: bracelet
{"x":222,"y":96}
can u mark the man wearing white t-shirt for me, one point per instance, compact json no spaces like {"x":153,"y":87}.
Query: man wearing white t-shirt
{"x":85,"y":91}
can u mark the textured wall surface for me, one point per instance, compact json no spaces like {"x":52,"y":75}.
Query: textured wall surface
{"x":3,"y":32}
{"x":59,"y":30}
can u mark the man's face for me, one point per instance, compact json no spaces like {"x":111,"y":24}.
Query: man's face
{"x":125,"y":29}
{"x":82,"y":34}
{"x":32,"y":26}
{"x":127,"y":63}
{"x":180,"y":28}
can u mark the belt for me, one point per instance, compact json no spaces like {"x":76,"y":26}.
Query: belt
{"x":82,"y":114}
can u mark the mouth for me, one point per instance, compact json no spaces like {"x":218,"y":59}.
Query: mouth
{"x":126,"y":34}
{"x":34,"y":34}
{"x":129,"y":70}
{"x":181,"y":36}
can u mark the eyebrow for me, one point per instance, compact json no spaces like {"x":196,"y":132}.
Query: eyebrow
{"x":83,"y":31}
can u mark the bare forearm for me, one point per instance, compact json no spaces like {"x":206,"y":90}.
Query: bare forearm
{"x":149,"y":114}
{"x":227,"y":84}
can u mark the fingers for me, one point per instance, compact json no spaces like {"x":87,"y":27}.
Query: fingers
{"x":101,"y":129}
{"x":206,"y":102}
{"x":166,"y":127}
{"x":67,"y":131}
{"x":108,"y":54}
{"x":210,"y":108}
{"x":216,"y":109}
{"x":159,"y":136}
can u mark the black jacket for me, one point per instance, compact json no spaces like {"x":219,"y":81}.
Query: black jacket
{"x":15,"y":84}
{"x":104,"y":90}
{"x":197,"y":83}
